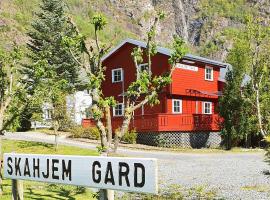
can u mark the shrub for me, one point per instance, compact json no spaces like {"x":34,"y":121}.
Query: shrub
{"x":89,"y":132}
{"x":130,"y":137}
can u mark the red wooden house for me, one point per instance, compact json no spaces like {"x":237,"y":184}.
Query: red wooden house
{"x":187,"y":113}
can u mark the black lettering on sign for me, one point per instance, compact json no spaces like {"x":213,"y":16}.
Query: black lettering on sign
{"x":26,"y":171}
{"x":109,"y":174}
{"x":55,"y":169}
{"x":66,"y":170}
{"x":17,"y":166}
{"x":94,"y":172}
{"x":48,"y":170}
{"x":138,"y":166}
{"x":9,"y":163}
{"x":123,"y":172}
{"x":36,"y":168}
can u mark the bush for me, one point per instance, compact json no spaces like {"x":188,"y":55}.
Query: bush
{"x":130,"y":137}
{"x":89,"y":132}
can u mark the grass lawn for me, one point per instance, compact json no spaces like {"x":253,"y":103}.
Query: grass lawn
{"x":38,"y":190}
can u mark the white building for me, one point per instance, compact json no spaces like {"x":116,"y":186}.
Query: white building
{"x":77,"y":105}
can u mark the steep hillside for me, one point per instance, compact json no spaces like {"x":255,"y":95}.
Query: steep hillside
{"x":207,"y":25}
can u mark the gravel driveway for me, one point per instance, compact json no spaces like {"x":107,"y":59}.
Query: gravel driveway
{"x":231,"y":175}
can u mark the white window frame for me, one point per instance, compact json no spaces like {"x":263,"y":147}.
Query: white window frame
{"x":212,"y":73}
{"x":113,"y":71}
{"x":180,"y":104}
{"x":114,"y":113}
{"x":204,"y":105}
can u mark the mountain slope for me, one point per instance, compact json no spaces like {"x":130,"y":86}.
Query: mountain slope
{"x":208,"y":25}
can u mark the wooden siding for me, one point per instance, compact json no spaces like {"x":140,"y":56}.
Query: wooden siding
{"x":188,"y":85}
{"x":167,"y":122}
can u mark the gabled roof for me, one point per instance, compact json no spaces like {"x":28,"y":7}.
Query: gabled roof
{"x":167,"y":52}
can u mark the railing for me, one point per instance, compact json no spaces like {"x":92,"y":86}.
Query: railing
{"x":168,"y":122}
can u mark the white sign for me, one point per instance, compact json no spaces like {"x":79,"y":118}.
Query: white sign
{"x":127,"y":174}
{"x":186,"y":67}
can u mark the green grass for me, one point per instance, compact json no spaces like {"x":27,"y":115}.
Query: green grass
{"x":42,"y":148}
{"x":38,"y":190}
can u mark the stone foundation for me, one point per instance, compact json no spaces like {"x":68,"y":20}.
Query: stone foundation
{"x":181,"y":139}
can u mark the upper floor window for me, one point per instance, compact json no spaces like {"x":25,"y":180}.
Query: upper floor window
{"x":177,"y":106}
{"x":209,"y":73}
{"x":207,"y":107}
{"x":117,"y":75}
{"x":143,"y":67}
{"x":118,"y":110}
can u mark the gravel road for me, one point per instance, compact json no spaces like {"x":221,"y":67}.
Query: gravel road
{"x":231,"y":175}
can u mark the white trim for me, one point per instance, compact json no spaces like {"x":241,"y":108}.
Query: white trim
{"x":123,"y":109}
{"x":203,"y":107}
{"x":113,"y":70}
{"x":177,"y":100}
{"x":212,"y":73}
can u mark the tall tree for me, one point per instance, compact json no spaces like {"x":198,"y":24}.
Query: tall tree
{"x":10,"y":91}
{"x":244,"y":106}
{"x":53,"y":73}
{"x":144,"y":90}
{"x":257,"y":35}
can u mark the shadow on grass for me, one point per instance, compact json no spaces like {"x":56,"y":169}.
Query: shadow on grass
{"x":25,"y":144}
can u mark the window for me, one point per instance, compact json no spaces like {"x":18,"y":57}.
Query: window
{"x":177,"y":106}
{"x":209,"y":73}
{"x":117,"y":75}
{"x":118,"y":110}
{"x":143,"y":67}
{"x":207,"y":107}
{"x":48,"y":114}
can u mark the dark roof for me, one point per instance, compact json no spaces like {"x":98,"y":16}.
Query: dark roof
{"x":167,"y":52}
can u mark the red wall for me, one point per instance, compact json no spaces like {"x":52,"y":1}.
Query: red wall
{"x":122,"y":59}
{"x":184,"y":80}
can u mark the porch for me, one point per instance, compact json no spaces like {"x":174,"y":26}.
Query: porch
{"x":167,"y":122}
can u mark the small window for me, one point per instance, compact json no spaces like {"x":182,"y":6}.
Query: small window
{"x":48,"y":114}
{"x":117,"y":75}
{"x":143,"y":67}
{"x":177,"y":106}
{"x":118,"y":110}
{"x":207,"y":107}
{"x":209,"y":73}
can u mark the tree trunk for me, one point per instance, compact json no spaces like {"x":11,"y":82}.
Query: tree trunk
{"x":109,"y":125}
{"x":259,"y":115}
{"x":56,"y":135}
{"x":1,"y":122}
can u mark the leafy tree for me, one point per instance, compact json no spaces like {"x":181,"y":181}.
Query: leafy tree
{"x":53,"y":73}
{"x":257,"y":36}
{"x":244,"y":106}
{"x":11,"y":91}
{"x":143,"y":91}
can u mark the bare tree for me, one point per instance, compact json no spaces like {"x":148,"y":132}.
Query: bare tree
{"x":144,"y":90}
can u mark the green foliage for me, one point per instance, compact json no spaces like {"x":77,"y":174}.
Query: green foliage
{"x":52,"y":72}
{"x":88,"y":133}
{"x":130,"y":137}
{"x":179,"y":50}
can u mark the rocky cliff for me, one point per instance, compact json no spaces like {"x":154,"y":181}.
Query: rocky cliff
{"x":206,"y":24}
